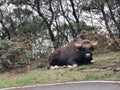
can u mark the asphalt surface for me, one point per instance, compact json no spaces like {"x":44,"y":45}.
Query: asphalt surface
{"x":72,"y":86}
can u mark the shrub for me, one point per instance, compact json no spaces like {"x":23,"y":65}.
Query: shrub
{"x":14,"y":54}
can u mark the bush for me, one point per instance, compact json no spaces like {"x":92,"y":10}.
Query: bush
{"x":114,"y":47}
{"x":41,"y":65}
{"x":14,"y":54}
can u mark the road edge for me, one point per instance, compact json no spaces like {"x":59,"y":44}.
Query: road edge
{"x":63,"y":83}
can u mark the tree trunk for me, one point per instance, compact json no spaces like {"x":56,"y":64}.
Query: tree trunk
{"x":52,"y":37}
{"x":113,"y":17}
{"x":73,"y":33}
{"x":107,"y":25}
{"x":75,"y":16}
{"x":6,"y":30}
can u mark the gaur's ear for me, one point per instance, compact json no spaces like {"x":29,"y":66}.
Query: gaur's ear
{"x":78,"y":45}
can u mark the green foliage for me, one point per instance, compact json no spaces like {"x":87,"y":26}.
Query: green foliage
{"x":18,"y":2}
{"x":13,"y":55}
{"x":114,"y":47}
{"x":4,"y":44}
{"x":41,"y":65}
{"x":29,"y":54}
{"x":83,"y":26}
{"x":32,"y":27}
{"x":20,"y":11}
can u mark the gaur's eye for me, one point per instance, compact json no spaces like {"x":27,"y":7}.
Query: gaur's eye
{"x":92,"y":48}
{"x":83,"y":48}
{"x":80,"y":48}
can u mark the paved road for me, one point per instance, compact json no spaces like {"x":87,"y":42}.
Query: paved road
{"x":73,"y":86}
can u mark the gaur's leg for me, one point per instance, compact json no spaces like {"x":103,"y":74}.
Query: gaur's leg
{"x":72,"y":64}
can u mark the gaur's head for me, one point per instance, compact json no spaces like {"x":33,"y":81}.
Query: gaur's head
{"x":85,"y":47}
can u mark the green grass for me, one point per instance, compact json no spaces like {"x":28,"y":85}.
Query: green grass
{"x":95,"y":71}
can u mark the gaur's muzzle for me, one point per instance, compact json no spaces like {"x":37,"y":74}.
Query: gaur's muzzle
{"x":87,"y":55}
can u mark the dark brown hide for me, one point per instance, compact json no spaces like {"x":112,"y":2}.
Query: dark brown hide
{"x":77,"y":52}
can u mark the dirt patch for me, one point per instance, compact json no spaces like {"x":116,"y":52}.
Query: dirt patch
{"x":108,"y":66}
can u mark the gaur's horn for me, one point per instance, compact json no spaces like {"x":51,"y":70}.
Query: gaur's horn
{"x":94,"y":43}
{"x":77,"y":44}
